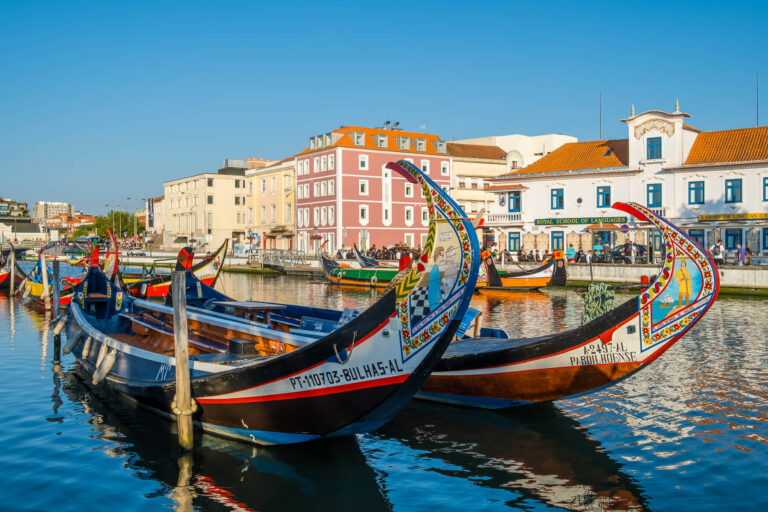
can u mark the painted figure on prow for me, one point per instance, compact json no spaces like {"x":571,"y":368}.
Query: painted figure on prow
{"x":683,"y":278}
{"x":435,"y":294}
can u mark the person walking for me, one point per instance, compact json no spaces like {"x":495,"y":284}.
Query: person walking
{"x":741,"y":255}
{"x":718,"y":252}
{"x":570,"y":253}
{"x":627,"y":251}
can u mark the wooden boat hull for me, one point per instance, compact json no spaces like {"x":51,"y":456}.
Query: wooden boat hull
{"x":293,"y":388}
{"x":374,"y":277}
{"x":499,"y":373}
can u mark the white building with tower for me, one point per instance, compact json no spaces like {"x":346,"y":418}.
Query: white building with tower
{"x":714,"y":184}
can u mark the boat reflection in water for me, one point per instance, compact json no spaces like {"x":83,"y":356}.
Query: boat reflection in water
{"x":222,"y":474}
{"x":521,"y":457}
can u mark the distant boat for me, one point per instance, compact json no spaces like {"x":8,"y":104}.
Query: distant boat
{"x":551,"y":273}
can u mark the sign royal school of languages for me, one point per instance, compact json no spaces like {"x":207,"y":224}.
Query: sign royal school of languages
{"x":581,"y":220}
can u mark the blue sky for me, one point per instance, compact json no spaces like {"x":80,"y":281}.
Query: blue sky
{"x":100,"y":101}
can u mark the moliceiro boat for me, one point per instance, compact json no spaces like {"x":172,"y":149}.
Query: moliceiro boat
{"x":5,"y":274}
{"x":551,"y":273}
{"x":256,"y":376}
{"x":498,"y":372}
{"x":207,"y":271}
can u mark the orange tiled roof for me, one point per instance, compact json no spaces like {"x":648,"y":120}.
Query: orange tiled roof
{"x":505,"y":187}
{"x":576,"y":156}
{"x":370,"y":143}
{"x":476,"y":151}
{"x":691,"y":128}
{"x":740,"y":145}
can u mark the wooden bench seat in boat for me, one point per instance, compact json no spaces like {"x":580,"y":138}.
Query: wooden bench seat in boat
{"x":309,"y":334}
{"x":197,"y":341}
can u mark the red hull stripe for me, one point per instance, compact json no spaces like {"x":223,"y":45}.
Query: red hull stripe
{"x":397,"y":379}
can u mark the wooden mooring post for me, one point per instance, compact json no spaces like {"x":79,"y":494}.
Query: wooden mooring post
{"x":56,"y":284}
{"x":44,"y":272}
{"x":13,"y":270}
{"x":182,"y":405}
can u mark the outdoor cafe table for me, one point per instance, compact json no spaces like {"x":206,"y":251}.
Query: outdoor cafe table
{"x":251,"y":309}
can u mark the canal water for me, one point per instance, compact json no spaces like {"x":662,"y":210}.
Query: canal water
{"x":687,"y":433}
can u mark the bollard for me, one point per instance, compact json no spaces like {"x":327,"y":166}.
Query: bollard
{"x":56,"y":290}
{"x":13,"y":270}
{"x":44,"y":272}
{"x":182,"y":404}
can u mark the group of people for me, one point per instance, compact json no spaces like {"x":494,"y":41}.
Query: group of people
{"x":718,"y":252}
{"x":392,"y":252}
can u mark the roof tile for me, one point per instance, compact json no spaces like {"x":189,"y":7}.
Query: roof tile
{"x":576,"y":156}
{"x":740,"y":145}
{"x":476,"y":151}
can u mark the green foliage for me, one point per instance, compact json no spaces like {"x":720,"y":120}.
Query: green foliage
{"x":598,"y":300}
{"x":120,"y":220}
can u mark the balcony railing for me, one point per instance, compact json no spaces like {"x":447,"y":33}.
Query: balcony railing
{"x":502,"y":218}
{"x":660,"y":211}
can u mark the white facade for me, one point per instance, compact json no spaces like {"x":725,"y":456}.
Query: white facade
{"x":523,"y":150}
{"x":562,"y":206}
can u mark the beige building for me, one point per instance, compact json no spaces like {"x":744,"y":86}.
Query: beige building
{"x":43,"y":210}
{"x":204,"y":209}
{"x":522,"y":150}
{"x":270,"y":204}
{"x":473,"y":165}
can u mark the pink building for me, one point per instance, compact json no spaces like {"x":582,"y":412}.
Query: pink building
{"x":345,"y":195}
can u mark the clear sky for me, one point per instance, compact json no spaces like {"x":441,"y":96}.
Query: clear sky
{"x":104,"y":100}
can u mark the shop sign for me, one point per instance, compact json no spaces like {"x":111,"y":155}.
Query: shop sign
{"x":733,"y":216}
{"x":581,"y":220}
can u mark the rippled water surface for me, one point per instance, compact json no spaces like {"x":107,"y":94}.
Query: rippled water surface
{"x":687,"y":433}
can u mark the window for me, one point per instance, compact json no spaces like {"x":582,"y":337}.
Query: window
{"x":323,"y":188}
{"x":765,"y":239}
{"x":331,"y":215}
{"x":404,"y":143}
{"x":696,"y":193}
{"x":250,"y":187}
{"x":273,"y":184}
{"x":250,"y":215}
{"x":557,"y":199}
{"x":421,"y":144}
{"x":513,"y":241}
{"x":210,"y":222}
{"x":698,"y":236}
{"x":288,"y":212}
{"x":425,"y":166}
{"x":363,"y":162}
{"x":316,"y":216}
{"x":358,"y":138}
{"x":316,"y":164}
{"x":323,"y":216}
{"x":603,"y":197}
{"x":210,"y":182}
{"x":733,"y":191}
{"x":363,"y":214}
{"x":263,"y":186}
{"x":444,"y":168}
{"x":363,"y":187}
{"x":381,"y":141}
{"x":331,"y":162}
{"x":765,"y":189}
{"x":654,"y":195}
{"x":210,"y":199}
{"x":300,"y":192}
{"x":515,"y":202}
{"x":424,"y":215}
{"x":331,"y":187}
{"x":732,"y":237}
{"x":306,"y":190}
{"x":237,"y":183}
{"x":323,"y":163}
{"x":557,"y":240}
{"x":409,"y":190}
{"x":237,"y":200}
{"x":263,"y":217}
{"x":409,"y":215}
{"x":654,"y":148}
{"x":386,"y":214}
{"x":274,"y":212}
{"x":316,"y":189}
{"x":238,"y":218}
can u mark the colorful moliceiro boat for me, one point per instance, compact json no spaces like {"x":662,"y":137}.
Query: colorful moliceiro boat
{"x":207,"y":271}
{"x":373,"y":277}
{"x":551,"y":273}
{"x":502,"y":372}
{"x":252,"y":380}
{"x":5,"y":275}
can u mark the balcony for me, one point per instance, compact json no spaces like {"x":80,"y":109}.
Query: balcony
{"x":659,"y":211}
{"x":503,"y":218}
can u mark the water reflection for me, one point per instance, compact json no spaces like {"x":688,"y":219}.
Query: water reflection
{"x":534,"y":454}
{"x":330,"y":475}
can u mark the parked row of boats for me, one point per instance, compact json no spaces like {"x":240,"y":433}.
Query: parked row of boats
{"x":284,"y":373}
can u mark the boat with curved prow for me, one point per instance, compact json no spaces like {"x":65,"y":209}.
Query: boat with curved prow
{"x":503,"y":372}
{"x":258,"y":383}
{"x":207,"y":271}
{"x":551,"y":273}
{"x":374,"y":277}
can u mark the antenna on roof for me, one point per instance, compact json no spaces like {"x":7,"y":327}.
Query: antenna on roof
{"x":394,"y":126}
{"x":386,"y":125}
